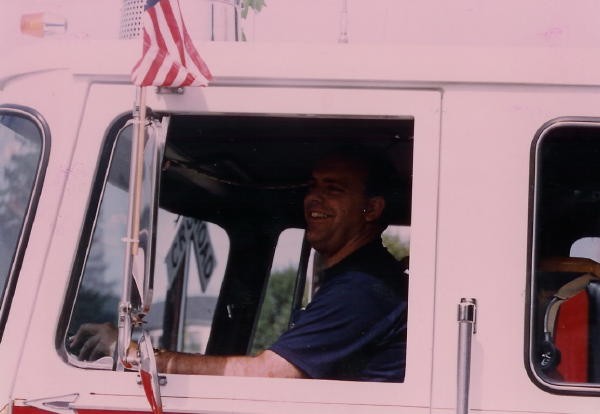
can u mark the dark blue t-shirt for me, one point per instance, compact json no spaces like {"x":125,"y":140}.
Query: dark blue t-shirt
{"x":355,"y":326}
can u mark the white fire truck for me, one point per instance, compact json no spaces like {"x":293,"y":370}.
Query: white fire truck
{"x":498,"y":151}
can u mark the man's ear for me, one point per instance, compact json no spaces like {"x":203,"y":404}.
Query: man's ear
{"x":375,"y":207}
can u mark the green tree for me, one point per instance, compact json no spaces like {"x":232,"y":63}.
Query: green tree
{"x":276,"y":309}
{"x":256,"y":5}
{"x":246,"y":5}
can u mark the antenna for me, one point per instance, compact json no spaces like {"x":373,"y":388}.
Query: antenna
{"x":344,"y":23}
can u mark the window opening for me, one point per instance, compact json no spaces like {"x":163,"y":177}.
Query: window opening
{"x":276,"y":304}
{"x":187,"y":293}
{"x":246,"y":175}
{"x":565,"y":287}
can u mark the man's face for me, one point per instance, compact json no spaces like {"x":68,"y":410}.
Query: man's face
{"x":333,"y":207}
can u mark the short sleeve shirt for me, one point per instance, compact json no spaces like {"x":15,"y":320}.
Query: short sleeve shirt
{"x":355,"y":326}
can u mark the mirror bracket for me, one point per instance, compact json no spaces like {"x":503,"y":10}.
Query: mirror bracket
{"x":147,"y":147}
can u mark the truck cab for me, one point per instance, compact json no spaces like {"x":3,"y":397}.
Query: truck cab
{"x":496,"y":186}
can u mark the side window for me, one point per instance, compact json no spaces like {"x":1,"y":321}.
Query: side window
{"x":21,"y":155}
{"x":100,"y":285}
{"x":190,"y":260}
{"x":565,"y":276}
{"x":276,"y":306}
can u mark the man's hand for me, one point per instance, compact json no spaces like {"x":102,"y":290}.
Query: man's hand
{"x":94,"y":340}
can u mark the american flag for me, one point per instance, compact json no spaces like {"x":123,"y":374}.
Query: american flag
{"x":169,"y":57}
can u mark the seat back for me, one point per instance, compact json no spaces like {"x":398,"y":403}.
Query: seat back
{"x":571,"y":331}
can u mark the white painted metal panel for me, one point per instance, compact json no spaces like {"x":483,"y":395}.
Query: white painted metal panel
{"x":482,"y":240}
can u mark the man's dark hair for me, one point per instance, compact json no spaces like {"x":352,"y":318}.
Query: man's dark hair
{"x":382,"y":178}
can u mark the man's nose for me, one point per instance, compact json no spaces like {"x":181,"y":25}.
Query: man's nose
{"x":313,"y":195}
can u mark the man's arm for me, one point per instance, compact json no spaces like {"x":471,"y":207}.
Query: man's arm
{"x":266,"y":364}
{"x":97,"y":340}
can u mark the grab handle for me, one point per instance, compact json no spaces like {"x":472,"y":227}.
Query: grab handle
{"x":467,"y":317}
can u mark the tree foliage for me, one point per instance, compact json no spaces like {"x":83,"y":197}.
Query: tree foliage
{"x":16,"y":183}
{"x":96,"y":300}
{"x":255,"y":5}
{"x":275,"y":310}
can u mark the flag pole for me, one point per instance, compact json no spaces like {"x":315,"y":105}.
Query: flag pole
{"x":180,"y":54}
{"x":137,"y":162}
{"x":133,"y":225}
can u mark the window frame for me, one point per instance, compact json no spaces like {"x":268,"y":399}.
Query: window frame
{"x":182,"y":391}
{"x":424,"y":106}
{"x":29,"y":216}
{"x":545,"y":383}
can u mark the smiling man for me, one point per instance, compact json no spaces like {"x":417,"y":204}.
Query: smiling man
{"x":355,"y":326}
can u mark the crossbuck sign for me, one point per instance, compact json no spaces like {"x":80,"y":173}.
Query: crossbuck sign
{"x":192,"y":233}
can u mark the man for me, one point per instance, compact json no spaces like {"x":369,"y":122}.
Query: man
{"x":355,"y":327}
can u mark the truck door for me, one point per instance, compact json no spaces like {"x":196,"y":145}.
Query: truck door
{"x":230,"y":189}
{"x":513,"y":165}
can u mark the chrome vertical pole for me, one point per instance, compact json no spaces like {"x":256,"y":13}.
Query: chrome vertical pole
{"x":343,"y":38}
{"x":133,"y":225}
{"x":467,"y":312}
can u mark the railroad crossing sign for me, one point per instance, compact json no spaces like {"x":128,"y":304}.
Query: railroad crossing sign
{"x":192,"y":233}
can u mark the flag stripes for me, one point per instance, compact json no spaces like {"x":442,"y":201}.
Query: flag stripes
{"x":169,"y":57}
